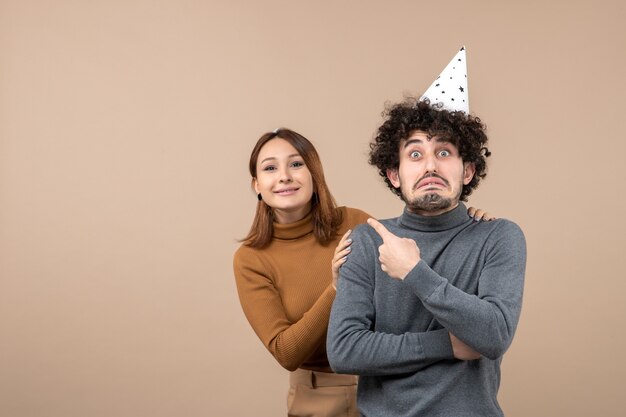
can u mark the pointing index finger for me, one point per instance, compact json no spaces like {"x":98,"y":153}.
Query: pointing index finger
{"x":379,"y":228}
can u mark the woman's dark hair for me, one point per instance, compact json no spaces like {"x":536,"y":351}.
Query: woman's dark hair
{"x":326,"y":216}
{"x":465,"y":132}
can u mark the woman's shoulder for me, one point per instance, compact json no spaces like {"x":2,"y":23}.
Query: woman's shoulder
{"x":353,"y":216}
{"x":247,"y":258}
{"x":245,"y":253}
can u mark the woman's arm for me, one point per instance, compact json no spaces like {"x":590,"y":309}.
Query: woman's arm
{"x":290,"y":343}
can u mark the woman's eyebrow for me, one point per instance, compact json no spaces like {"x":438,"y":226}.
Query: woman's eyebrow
{"x":273,"y":157}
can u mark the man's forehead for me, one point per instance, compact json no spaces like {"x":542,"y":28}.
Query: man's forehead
{"x":419,"y":137}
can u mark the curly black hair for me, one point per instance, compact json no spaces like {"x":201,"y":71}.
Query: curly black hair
{"x":465,"y":132}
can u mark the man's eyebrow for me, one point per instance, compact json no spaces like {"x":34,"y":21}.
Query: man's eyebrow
{"x":411,"y":141}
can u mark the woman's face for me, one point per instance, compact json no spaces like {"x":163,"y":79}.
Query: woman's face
{"x":284,"y":181}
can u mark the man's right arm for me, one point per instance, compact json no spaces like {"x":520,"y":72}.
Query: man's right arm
{"x":352,"y":345}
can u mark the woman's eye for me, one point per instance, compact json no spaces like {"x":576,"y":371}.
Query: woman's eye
{"x":297,"y":164}
{"x":269,"y":168}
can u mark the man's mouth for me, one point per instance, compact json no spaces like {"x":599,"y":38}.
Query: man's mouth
{"x":431,"y":182}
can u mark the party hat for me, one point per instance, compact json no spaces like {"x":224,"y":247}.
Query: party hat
{"x":450,"y":88}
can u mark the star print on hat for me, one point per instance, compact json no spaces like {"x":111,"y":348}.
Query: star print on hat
{"x":450,"y":88}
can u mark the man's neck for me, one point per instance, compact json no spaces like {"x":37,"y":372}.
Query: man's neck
{"x":432,"y":213}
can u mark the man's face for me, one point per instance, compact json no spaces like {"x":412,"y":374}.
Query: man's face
{"x":431,"y":174}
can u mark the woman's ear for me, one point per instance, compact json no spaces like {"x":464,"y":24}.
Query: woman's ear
{"x":255,"y":185}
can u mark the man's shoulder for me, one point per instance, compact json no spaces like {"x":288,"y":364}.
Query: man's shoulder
{"x":503,"y":226}
{"x":503,"y":230}
{"x":365,"y":231}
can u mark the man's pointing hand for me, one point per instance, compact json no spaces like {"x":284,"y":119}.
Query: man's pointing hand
{"x":398,"y":256}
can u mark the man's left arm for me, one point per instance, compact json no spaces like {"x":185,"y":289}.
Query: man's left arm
{"x":487,"y":320}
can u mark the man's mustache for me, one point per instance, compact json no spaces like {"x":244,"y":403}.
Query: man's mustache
{"x":431,"y":175}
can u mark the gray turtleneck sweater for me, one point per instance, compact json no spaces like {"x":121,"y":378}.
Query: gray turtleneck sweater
{"x":394,"y":333}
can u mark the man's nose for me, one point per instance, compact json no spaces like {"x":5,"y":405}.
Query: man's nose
{"x":430,"y":163}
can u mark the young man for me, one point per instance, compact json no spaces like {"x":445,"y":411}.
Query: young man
{"x":428,"y":302}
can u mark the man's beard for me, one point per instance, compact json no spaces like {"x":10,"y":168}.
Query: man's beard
{"x":432,"y":202}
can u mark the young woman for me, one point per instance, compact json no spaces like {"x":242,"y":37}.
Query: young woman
{"x":287,"y":268}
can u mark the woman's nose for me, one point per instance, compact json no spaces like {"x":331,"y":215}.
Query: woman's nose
{"x":285,"y":176}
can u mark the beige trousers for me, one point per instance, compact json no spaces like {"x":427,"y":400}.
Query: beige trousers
{"x":321,"y":394}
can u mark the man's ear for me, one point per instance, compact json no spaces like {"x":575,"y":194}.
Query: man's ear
{"x":392,"y":174}
{"x":469,"y":169}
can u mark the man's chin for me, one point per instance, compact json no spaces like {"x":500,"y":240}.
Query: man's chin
{"x":431,"y":202}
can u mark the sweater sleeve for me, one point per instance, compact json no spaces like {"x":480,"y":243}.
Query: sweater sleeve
{"x":290,"y":343}
{"x":353,"y":344}
{"x":486,"y":321}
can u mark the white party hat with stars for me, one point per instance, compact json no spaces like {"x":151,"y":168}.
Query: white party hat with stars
{"x":450,"y":88}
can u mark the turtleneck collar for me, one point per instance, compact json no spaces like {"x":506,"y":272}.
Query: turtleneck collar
{"x":294,"y":230}
{"x":445,"y":221}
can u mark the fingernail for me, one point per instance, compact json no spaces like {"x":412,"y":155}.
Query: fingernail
{"x":348,"y":240}
{"x":348,"y":249}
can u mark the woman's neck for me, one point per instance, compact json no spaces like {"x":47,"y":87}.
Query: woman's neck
{"x":286,"y":216}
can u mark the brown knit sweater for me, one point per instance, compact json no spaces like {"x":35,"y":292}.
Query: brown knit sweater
{"x":286,"y":293}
